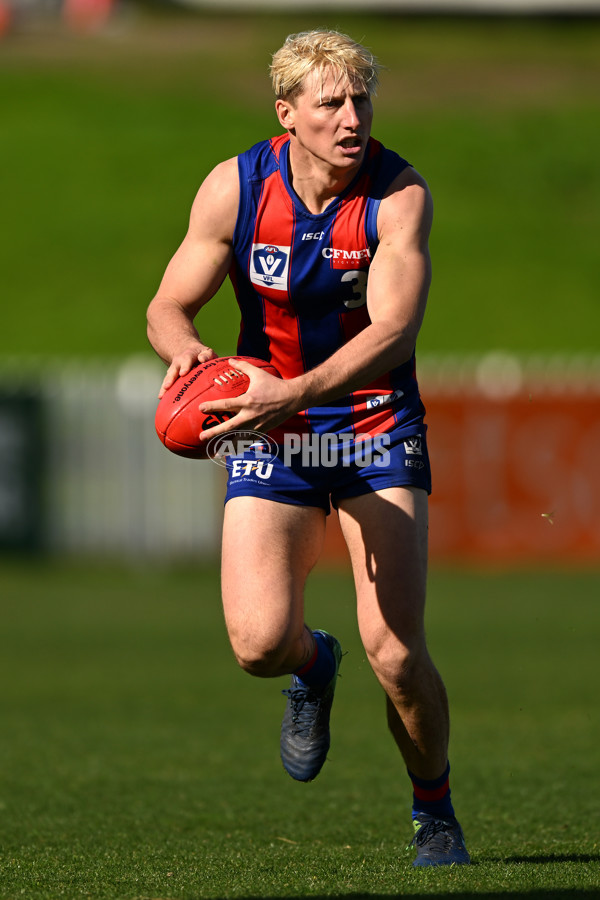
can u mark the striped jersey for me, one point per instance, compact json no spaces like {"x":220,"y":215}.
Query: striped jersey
{"x":301,"y":279}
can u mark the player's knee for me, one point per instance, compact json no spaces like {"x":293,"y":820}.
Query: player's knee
{"x":398,"y":664}
{"x":262,"y":660}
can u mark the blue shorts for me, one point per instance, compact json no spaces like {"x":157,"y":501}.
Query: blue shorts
{"x":315,"y":470}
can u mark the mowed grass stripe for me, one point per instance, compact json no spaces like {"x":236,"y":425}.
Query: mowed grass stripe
{"x":138,"y":761}
{"x":107,"y":138}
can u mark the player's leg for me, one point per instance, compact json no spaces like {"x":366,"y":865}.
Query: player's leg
{"x":269,"y":549}
{"x":386,"y":534}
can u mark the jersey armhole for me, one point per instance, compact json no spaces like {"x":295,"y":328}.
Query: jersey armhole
{"x":371,"y":222}
{"x":390,"y":167}
{"x":242,"y":215}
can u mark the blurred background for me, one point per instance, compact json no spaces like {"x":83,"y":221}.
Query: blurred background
{"x":136,"y":758}
{"x":114,"y":111}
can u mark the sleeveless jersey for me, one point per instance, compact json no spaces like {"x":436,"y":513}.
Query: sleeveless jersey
{"x":300,"y":280}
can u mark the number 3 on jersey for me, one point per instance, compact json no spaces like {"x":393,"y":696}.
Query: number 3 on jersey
{"x":358,"y":281}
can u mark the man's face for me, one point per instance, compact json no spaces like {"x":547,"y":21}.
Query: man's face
{"x":331,"y":121}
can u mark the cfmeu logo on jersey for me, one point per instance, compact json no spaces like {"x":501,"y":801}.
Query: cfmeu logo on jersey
{"x":269,"y":266}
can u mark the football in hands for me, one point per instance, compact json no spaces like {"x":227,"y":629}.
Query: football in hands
{"x":178,"y":418}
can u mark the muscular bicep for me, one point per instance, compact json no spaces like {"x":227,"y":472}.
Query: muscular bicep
{"x":195,"y":273}
{"x":202,"y":260}
{"x":400,"y":274}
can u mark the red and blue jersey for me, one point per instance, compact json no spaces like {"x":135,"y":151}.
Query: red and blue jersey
{"x":301,"y":279}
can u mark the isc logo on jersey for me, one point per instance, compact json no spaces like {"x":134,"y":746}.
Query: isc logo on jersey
{"x":269,"y":266}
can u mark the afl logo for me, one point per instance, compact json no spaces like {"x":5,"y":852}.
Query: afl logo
{"x":269,"y":266}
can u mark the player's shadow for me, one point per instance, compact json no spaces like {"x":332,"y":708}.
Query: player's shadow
{"x":566,"y":894}
{"x":543,"y":858}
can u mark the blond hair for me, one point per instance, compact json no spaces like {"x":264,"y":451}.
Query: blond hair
{"x":321,"y":51}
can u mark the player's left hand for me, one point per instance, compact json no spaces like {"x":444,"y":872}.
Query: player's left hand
{"x":268,"y":402}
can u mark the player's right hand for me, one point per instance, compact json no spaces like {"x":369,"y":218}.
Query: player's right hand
{"x":184,"y":362}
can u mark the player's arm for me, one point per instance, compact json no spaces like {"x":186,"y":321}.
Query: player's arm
{"x":399,"y":279}
{"x":195,"y":274}
{"x":397,"y":289}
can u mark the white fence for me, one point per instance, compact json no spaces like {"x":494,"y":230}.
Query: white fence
{"x":447,"y":7}
{"x":514,"y":445}
{"x":109,"y":486}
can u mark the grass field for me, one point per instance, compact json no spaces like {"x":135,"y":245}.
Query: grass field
{"x":138,"y":762}
{"x":106,"y":139}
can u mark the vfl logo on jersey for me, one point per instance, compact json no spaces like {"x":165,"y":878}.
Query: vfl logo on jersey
{"x":269,"y":266}
{"x":384,"y":399}
{"x":412,"y":447}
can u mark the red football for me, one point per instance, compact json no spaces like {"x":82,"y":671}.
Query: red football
{"x":178,"y":418}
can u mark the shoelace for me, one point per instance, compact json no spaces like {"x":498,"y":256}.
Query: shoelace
{"x":436,"y":832}
{"x":298,"y":698}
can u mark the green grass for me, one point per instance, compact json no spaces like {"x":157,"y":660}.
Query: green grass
{"x":138,"y":762}
{"x":106,"y":138}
